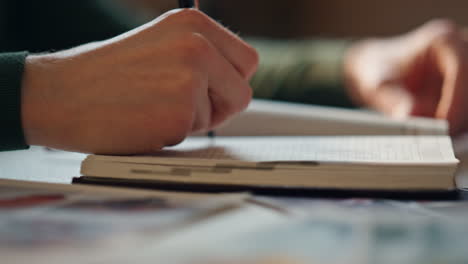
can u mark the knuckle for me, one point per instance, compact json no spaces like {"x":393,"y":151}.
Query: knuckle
{"x":192,"y":17}
{"x":444,"y":24}
{"x":187,"y":82}
{"x":448,"y":39}
{"x":252,"y":61}
{"x":443,"y":30}
{"x":193,"y":46}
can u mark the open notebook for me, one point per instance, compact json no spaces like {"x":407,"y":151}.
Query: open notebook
{"x":289,"y":165}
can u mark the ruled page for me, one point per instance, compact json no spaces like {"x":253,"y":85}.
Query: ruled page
{"x":437,"y":149}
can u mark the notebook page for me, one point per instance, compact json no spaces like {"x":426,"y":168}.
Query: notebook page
{"x":379,"y":149}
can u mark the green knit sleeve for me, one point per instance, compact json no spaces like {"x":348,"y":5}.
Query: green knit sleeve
{"x":11,"y":71}
{"x":304,"y":71}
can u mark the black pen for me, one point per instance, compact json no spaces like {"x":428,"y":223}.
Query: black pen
{"x":194,"y":4}
{"x":188,"y":4}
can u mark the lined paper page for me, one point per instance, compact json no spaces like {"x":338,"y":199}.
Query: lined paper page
{"x":395,"y":149}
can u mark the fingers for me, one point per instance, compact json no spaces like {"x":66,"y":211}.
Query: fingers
{"x":242,"y":56}
{"x":439,"y":51}
{"x":452,"y":55}
{"x":393,"y":99}
{"x":228,"y":91}
{"x":216,"y":63}
{"x":432,"y":30}
{"x":421,"y":73}
{"x":219,"y":90}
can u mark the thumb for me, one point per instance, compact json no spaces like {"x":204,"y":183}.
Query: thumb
{"x":393,"y":100}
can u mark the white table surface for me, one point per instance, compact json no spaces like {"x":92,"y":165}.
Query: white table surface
{"x":39,"y":164}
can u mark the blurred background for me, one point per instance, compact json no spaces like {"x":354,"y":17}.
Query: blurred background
{"x":312,"y":18}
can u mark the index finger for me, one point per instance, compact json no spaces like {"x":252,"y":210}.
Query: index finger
{"x":240,"y":54}
{"x":453,"y":64}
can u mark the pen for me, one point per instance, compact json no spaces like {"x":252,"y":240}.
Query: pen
{"x":194,"y":4}
{"x":188,"y":4}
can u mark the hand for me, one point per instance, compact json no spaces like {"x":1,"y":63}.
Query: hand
{"x":423,"y":73}
{"x":140,"y":91}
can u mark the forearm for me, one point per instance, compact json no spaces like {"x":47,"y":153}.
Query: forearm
{"x":305,"y":71}
{"x":11,"y":71}
{"x":40,"y":26}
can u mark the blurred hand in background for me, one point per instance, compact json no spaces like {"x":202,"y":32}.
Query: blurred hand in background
{"x":422,"y":73}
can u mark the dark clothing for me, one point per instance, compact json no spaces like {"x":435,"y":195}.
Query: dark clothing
{"x":11,"y":70}
{"x":302,"y":71}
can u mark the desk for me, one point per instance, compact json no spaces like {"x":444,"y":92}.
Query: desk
{"x":39,"y":164}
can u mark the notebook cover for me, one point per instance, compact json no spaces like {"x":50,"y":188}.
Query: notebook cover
{"x":274,"y":190}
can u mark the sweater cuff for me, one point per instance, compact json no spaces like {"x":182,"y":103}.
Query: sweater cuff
{"x":304,"y":71}
{"x":11,"y":75}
